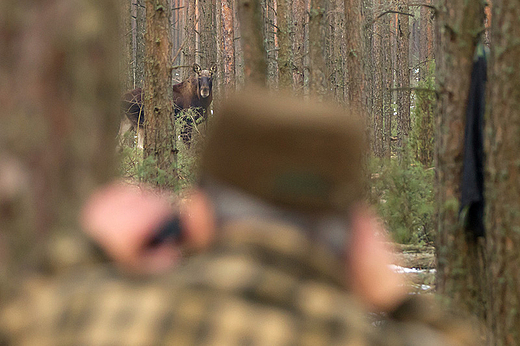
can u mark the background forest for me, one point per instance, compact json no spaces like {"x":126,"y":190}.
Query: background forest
{"x":309,"y":48}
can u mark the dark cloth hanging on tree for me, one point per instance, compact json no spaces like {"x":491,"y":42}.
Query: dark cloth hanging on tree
{"x":472,"y":186}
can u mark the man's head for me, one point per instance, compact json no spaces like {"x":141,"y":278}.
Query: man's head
{"x":297,"y":154}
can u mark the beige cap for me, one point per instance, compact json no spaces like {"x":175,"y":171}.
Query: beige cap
{"x":299,"y":154}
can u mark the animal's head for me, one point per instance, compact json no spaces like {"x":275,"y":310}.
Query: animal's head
{"x":205,"y":80}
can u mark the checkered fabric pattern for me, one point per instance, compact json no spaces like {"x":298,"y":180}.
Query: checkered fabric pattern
{"x":259,"y":285}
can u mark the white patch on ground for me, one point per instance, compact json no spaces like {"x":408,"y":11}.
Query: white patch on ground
{"x":399,"y":269}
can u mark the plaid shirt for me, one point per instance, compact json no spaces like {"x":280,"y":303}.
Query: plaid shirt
{"x":259,"y":285}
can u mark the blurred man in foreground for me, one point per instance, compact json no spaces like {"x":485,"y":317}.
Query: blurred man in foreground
{"x":288,"y":255}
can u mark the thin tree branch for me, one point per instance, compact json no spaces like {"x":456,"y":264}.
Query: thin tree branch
{"x":386,"y":12}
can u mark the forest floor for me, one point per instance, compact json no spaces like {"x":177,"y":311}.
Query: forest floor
{"x":417,"y":264}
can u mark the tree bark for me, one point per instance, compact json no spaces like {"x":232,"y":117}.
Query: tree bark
{"x":403,"y":79}
{"x":126,"y":44}
{"x":250,"y":17}
{"x":354,"y":50}
{"x":227,"y":47}
{"x":190,"y":44}
{"x":140,"y":21}
{"x":387,"y":76}
{"x":59,"y":92}
{"x":460,"y":266}
{"x":298,"y":44}
{"x":503,"y":179}
{"x":318,"y":83}
{"x":159,"y":142}
{"x":284,"y":28}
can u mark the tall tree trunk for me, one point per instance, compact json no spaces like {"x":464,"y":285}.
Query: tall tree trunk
{"x":378,"y":90}
{"x":227,"y":47}
{"x":337,"y":49}
{"x":503,"y":184}
{"x":388,"y":74}
{"x":271,"y":39}
{"x":250,"y":16}
{"x":190,"y":44}
{"x":460,"y":271}
{"x":125,"y":32}
{"x":140,"y":22}
{"x":298,"y":44}
{"x":159,"y":143}
{"x":59,"y":93}
{"x":317,"y":26}
{"x":354,"y":50}
{"x":284,"y":29}
{"x":403,"y":79}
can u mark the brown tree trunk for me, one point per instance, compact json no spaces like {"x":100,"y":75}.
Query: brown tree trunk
{"x":354,"y":51}
{"x":227,"y":47}
{"x":255,"y":66}
{"x":159,"y":126}
{"x":317,"y":26}
{"x":387,"y":80}
{"x":337,"y":49}
{"x":459,"y":266}
{"x":125,"y":32}
{"x":503,"y":179}
{"x":208,"y":52}
{"x":298,"y":44}
{"x":59,"y":93}
{"x":190,"y":44}
{"x":285,"y":79}
{"x":378,"y":89}
{"x":140,"y":21}
{"x":403,"y":79}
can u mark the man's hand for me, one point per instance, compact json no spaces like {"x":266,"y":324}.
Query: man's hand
{"x":369,"y":257}
{"x":124,"y":220}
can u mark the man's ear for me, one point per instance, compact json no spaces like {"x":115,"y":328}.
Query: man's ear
{"x":198,"y":219}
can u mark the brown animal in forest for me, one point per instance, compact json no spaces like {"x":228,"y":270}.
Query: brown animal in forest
{"x":195,"y":92}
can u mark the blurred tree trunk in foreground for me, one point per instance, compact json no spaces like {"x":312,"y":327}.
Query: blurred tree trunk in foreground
{"x":460,"y":273}
{"x":60,"y":111}
{"x":503,"y":179}
{"x":159,"y":143}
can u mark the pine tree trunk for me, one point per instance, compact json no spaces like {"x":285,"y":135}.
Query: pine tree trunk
{"x":354,"y":51}
{"x":388,"y":111}
{"x":403,"y":79}
{"x":298,"y":44}
{"x":188,"y":51}
{"x":459,"y":264}
{"x":159,"y":126}
{"x":140,"y":21}
{"x":125,"y":32}
{"x":317,"y":26}
{"x":227,"y":47}
{"x":337,"y":50}
{"x":208,"y":52}
{"x":251,"y":28}
{"x":378,"y":90}
{"x":503,"y":179}
{"x":59,"y":91}
{"x":284,"y":45}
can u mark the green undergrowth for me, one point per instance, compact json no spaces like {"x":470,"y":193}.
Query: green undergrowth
{"x":403,"y":194}
{"x":134,"y":167}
